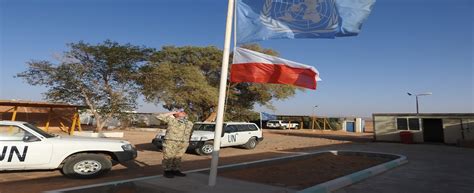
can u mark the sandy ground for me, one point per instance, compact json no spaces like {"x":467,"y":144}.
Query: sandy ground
{"x":276,"y":143}
{"x":301,"y":174}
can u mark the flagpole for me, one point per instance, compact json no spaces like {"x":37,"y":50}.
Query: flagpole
{"x":235,"y":25}
{"x":222,"y":91}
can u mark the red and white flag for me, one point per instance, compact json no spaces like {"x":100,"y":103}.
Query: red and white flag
{"x":251,"y":66}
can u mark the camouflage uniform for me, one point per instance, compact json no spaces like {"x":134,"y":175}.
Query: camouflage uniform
{"x":176,"y":141}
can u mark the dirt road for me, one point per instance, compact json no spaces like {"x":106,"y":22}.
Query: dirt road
{"x":276,"y":143}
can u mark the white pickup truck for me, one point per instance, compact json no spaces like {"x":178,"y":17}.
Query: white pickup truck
{"x":25,"y":147}
{"x":282,"y":124}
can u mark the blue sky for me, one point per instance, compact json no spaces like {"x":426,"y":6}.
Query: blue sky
{"x":405,"y":45}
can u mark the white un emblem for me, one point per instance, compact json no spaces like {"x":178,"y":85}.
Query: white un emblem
{"x":300,"y":16}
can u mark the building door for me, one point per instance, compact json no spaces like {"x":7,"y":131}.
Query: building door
{"x":350,"y":127}
{"x":433,"y":130}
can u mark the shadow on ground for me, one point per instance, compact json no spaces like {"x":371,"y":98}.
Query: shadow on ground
{"x":147,"y":147}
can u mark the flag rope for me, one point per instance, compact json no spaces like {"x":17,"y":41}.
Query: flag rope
{"x":235,"y":25}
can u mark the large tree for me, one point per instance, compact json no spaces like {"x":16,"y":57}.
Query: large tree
{"x":99,"y":76}
{"x":188,"y":78}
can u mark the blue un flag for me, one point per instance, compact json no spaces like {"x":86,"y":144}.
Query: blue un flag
{"x":278,"y":19}
{"x":267,"y":116}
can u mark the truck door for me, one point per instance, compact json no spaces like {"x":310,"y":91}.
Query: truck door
{"x":19,"y":149}
{"x":230,"y":136}
{"x":245,"y":133}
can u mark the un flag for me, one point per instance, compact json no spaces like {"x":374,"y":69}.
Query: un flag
{"x":277,"y":19}
{"x":267,"y":116}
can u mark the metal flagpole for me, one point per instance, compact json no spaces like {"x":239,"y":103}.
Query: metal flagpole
{"x":235,"y":25}
{"x":222,"y":91}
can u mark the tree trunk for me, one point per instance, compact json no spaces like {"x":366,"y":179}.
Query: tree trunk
{"x":100,"y":123}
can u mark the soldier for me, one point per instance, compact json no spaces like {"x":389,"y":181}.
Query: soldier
{"x":176,"y":142}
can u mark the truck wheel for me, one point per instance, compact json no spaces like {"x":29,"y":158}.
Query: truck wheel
{"x":206,"y":148}
{"x":251,"y":143}
{"x":86,"y":166}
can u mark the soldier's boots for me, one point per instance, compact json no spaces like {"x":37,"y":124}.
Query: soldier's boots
{"x":173,"y":173}
{"x":169,"y":174}
{"x":178,"y":173}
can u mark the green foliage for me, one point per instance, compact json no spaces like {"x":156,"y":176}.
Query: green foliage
{"x":96,"y":75}
{"x":183,"y":78}
{"x":336,"y":123}
{"x":108,"y":78}
{"x":188,"y":78}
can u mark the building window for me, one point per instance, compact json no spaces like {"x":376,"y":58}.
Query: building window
{"x":402,"y":124}
{"x":412,"y":124}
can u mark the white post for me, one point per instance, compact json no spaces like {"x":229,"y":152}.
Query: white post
{"x":358,"y":125}
{"x":222,"y":91}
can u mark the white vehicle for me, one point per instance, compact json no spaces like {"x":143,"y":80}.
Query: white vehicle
{"x":242,"y":134}
{"x":26,"y":147}
{"x":282,"y":124}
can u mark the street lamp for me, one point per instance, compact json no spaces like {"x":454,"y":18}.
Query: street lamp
{"x":417,"y":95}
{"x":314,"y":109}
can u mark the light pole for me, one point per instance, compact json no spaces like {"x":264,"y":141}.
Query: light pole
{"x":314,"y":109}
{"x":417,"y":95}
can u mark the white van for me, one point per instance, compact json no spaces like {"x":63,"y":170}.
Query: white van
{"x":26,"y":147}
{"x":242,"y":134}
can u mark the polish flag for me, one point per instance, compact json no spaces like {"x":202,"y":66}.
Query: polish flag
{"x":251,"y":66}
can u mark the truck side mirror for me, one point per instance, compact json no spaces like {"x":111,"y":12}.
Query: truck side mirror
{"x":30,"y":138}
{"x":224,"y":130}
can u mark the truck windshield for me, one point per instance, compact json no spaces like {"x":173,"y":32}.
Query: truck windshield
{"x":204,"y":127}
{"x":38,"y":130}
